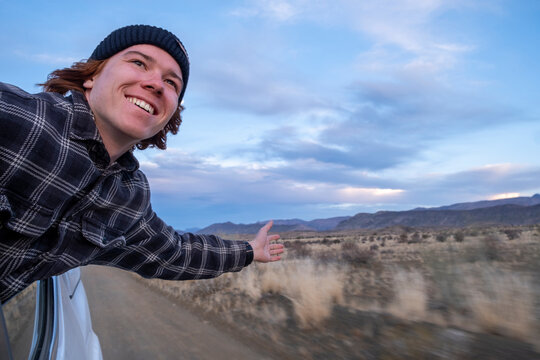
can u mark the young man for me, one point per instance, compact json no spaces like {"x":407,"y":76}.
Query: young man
{"x":71,"y":193}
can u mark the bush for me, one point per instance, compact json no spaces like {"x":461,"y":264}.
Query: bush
{"x":459,"y":236}
{"x":491,"y":247}
{"x":473,"y":233}
{"x":512,"y":233}
{"x":415,"y":238}
{"x":403,"y":238}
{"x":354,"y":254}
{"x":299,"y":248}
{"x":441,"y":237}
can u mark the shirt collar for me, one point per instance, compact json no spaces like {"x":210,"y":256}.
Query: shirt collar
{"x":84,"y":128}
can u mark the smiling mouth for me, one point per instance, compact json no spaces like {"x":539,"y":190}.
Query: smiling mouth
{"x":142,"y":104}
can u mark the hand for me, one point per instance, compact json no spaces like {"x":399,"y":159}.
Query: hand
{"x":263,"y":251}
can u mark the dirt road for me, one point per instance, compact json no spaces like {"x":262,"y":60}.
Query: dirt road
{"x":134,"y":322}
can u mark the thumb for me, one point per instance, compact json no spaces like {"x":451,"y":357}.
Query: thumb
{"x":266,"y":228}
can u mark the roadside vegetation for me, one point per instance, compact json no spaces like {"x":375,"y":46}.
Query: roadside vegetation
{"x":19,"y":317}
{"x":392,"y":293}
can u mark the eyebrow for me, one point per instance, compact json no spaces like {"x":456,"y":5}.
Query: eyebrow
{"x":148,"y":58}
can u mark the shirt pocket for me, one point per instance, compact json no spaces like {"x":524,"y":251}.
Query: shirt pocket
{"x":100,"y":234}
{"x":22,"y":216}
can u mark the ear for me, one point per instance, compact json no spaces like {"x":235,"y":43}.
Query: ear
{"x":89,"y":83}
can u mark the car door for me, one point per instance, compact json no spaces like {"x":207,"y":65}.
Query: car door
{"x":62,"y":327}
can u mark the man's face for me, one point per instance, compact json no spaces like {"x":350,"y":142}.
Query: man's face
{"x":135,"y":94}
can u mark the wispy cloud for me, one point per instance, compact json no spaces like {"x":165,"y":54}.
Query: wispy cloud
{"x":390,"y":123}
{"x":193,"y":179}
{"x":250,"y":73}
{"x":52,"y":59}
{"x":280,"y":10}
{"x":407,"y":26}
{"x":475,"y":184}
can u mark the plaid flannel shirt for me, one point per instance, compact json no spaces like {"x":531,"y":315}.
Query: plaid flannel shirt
{"x":63,"y":206}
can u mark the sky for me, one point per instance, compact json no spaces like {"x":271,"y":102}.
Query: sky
{"x":322,"y":108}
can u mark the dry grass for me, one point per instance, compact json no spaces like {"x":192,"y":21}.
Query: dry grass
{"x":501,"y":302}
{"x":313,"y":289}
{"x":19,"y":312}
{"x":482,"y":280}
{"x":410,"y":299}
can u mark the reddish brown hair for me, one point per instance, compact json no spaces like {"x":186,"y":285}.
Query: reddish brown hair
{"x":72,"y":78}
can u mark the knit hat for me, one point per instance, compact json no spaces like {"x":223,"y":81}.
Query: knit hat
{"x":127,"y":36}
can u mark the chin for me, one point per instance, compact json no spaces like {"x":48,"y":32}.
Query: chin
{"x":141,"y":134}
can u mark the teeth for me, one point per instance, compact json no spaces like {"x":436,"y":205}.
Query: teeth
{"x":142,"y":104}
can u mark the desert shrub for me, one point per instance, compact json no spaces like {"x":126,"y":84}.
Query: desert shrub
{"x":459,"y":236}
{"x":512,"y":233}
{"x":326,"y":256}
{"x":441,"y":237}
{"x":425,"y":236}
{"x":472,"y":233}
{"x":354,"y":254}
{"x":327,"y":241}
{"x":491,"y":247}
{"x":298,"y":248}
{"x":403,"y":238}
{"x":415,"y":238}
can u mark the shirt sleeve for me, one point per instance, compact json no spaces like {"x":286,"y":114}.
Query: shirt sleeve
{"x":155,"y":250}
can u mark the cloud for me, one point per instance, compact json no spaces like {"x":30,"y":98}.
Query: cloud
{"x":386,"y":124}
{"x":279,"y":10}
{"x":51,"y":59}
{"x":393,"y":113}
{"x":367,"y":153}
{"x":248,"y":76}
{"x":503,"y":196}
{"x":407,"y":26}
{"x":187,"y":178}
{"x":257,"y":90}
{"x":474,"y":184}
{"x":253,"y":73}
{"x":196,"y":188}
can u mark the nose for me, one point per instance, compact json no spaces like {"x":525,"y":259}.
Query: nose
{"x":153,"y":82}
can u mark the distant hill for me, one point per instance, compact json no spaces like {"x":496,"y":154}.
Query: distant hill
{"x":523,"y":201}
{"x":495,"y":215}
{"x":514,"y":211}
{"x":279,"y":226}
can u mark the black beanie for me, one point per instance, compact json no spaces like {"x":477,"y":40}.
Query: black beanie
{"x":127,"y":36}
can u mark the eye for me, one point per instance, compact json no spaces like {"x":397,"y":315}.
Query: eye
{"x":172,"y":83}
{"x":138,"y":63}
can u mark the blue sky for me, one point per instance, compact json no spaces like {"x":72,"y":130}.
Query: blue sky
{"x":313,"y":109}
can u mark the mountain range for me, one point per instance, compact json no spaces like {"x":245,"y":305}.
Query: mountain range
{"x":512,"y":211}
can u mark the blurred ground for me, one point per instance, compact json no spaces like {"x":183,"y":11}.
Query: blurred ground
{"x":134,"y":322}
